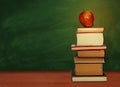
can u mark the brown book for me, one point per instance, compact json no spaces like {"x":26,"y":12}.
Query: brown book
{"x":91,"y":53}
{"x":76,"y":48}
{"x":88,"y":60}
{"x":88,"y":69}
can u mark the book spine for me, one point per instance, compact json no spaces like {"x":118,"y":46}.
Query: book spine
{"x":91,"y":53}
{"x":88,"y":69}
{"x":88,"y":47}
{"x":88,"y":60}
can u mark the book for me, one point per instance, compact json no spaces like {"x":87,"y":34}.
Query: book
{"x":89,"y":39}
{"x":87,"y":78}
{"x":91,"y":53}
{"x":88,"y":60}
{"x":90,"y":36}
{"x":74,"y":47}
{"x":90,"y":30}
{"x":88,"y":68}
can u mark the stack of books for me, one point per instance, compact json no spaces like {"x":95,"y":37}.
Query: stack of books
{"x":90,"y":54}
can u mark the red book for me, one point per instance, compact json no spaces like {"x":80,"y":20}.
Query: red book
{"x":74,"y":47}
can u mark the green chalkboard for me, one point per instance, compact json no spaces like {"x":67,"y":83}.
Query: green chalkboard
{"x":37,"y":34}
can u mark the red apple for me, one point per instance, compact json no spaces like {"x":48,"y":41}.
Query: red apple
{"x":86,"y":18}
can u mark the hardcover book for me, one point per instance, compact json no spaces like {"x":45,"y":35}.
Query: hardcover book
{"x":91,"y":53}
{"x":88,"y":60}
{"x":78,"y":48}
{"x":88,"y":78}
{"x":88,"y":68}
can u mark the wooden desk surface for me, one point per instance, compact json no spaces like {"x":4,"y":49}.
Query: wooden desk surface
{"x":52,"y":79}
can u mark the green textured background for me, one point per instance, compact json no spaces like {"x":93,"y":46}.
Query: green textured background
{"x":37,"y":34}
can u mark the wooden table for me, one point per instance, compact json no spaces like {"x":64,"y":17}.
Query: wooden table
{"x":52,"y":79}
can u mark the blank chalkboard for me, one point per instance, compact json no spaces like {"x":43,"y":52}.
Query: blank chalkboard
{"x":37,"y":34}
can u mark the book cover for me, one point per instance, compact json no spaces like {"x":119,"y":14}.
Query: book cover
{"x":91,"y":53}
{"x":90,"y":30}
{"x":88,"y":68}
{"x":74,"y":47}
{"x":88,"y":60}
